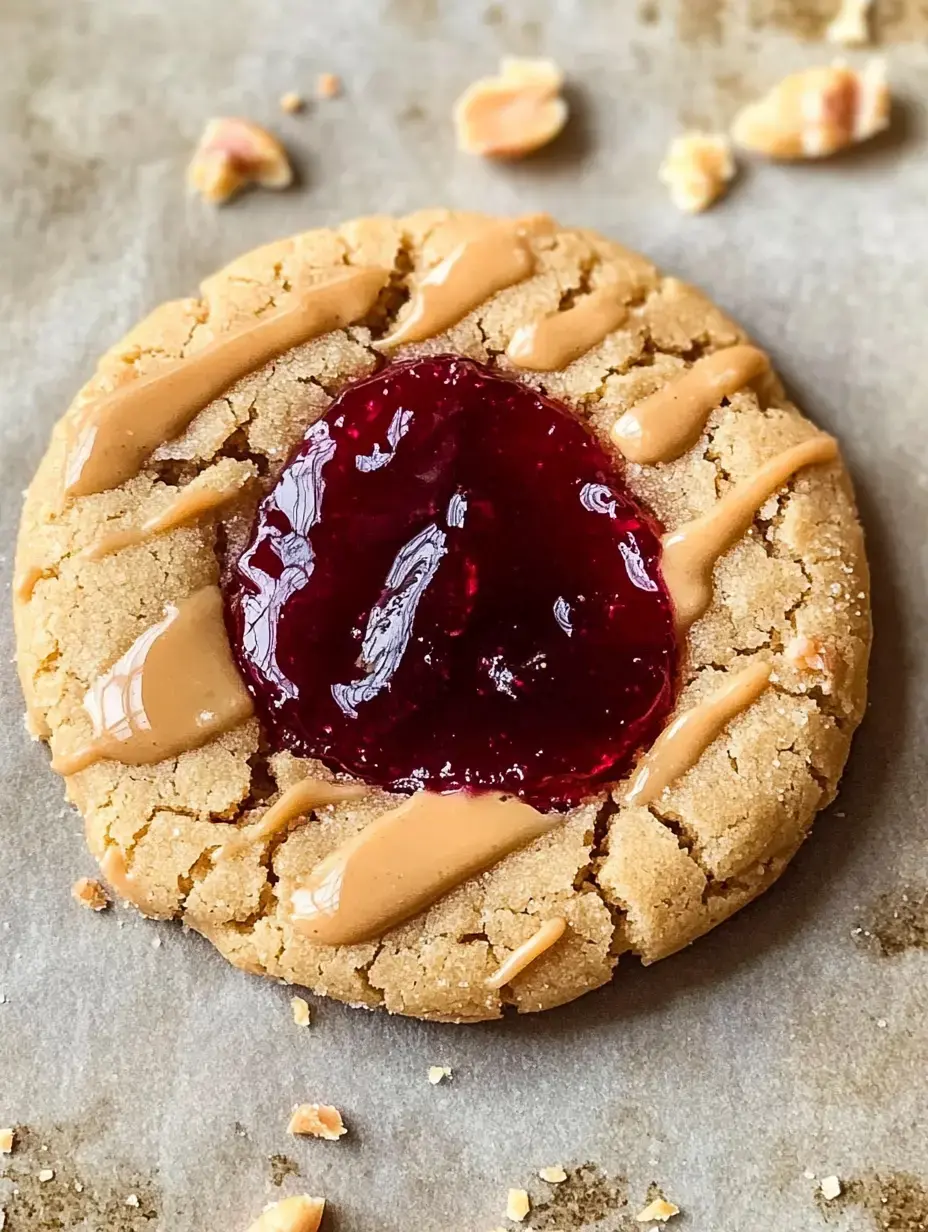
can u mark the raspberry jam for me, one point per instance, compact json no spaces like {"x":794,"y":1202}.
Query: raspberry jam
{"x":450,"y":587}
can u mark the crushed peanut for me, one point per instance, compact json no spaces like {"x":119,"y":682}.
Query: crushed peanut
{"x":514,"y":113}
{"x":7,"y":1138}
{"x":697,"y":169}
{"x":830,"y":1188}
{"x":299,"y":1214}
{"x":517,"y":1205}
{"x":299,"y":1007}
{"x":317,"y":1121}
{"x":132,"y":1200}
{"x":291,"y":102}
{"x":850,"y":25}
{"x":328,"y":85}
{"x":808,"y":654}
{"x":90,"y":894}
{"x":233,"y":153}
{"x":438,"y":1073}
{"x":553,"y":1175}
{"x":46,"y":1174}
{"x":660,"y":1209}
{"x":816,"y":112}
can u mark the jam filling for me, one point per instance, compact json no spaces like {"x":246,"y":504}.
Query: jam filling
{"x":450,"y":587}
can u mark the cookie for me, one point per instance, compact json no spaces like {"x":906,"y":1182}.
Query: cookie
{"x":435,"y":610}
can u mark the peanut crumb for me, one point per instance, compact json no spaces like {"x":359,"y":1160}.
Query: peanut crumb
{"x":299,"y":1007}
{"x":816,"y":112}
{"x":317,"y":1121}
{"x":328,"y":85}
{"x":850,"y":25}
{"x":438,"y":1073}
{"x":291,"y":102}
{"x":233,"y":153}
{"x":553,"y":1175}
{"x":807,"y":654}
{"x":517,"y":1205}
{"x":46,"y":1174}
{"x":298,"y":1214}
{"x":830,"y":1188}
{"x":90,"y":894}
{"x":659,"y":1209}
{"x":514,"y":113}
{"x":697,"y":169}
{"x":7,"y":1138}
{"x":132,"y":1200}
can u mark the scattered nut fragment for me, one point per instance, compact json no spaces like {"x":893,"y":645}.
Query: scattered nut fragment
{"x":45,"y":1174}
{"x":299,"y":1214}
{"x":850,"y":26}
{"x":808,"y":654}
{"x":7,"y":1138}
{"x":816,"y":112}
{"x":90,"y":894}
{"x":830,"y":1188}
{"x":291,"y":102}
{"x":697,"y":169}
{"x":233,"y":153}
{"x":318,"y":1121}
{"x":659,"y":1209}
{"x":513,"y":114}
{"x":438,"y":1073}
{"x":300,"y":1008}
{"x":517,"y":1205}
{"x":132,"y":1200}
{"x":553,"y":1175}
{"x":328,"y":85}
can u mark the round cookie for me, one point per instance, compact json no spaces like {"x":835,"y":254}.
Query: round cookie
{"x":789,"y":598}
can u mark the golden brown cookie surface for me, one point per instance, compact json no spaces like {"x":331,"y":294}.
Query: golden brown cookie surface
{"x":792,"y":593}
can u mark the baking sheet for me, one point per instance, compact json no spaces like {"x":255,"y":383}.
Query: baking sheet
{"x":783,"y":1045}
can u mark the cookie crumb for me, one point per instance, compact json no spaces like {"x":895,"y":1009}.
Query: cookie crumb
{"x":830,"y":1188}
{"x":299,"y":1007}
{"x":233,"y":153}
{"x":514,"y":113}
{"x":438,"y":1073}
{"x":659,"y":1209}
{"x":517,"y":1205}
{"x":553,"y":1175}
{"x":299,"y":1214}
{"x":291,"y":102}
{"x":328,"y":85}
{"x":697,"y":169}
{"x":90,"y":894}
{"x":816,"y":112}
{"x":317,"y":1121}
{"x":7,"y":1138}
{"x":132,"y":1200}
{"x":850,"y":26}
{"x":46,"y":1174}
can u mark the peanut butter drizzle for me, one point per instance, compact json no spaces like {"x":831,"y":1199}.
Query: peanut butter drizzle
{"x":679,"y":747}
{"x":498,"y":256}
{"x":297,"y":801}
{"x":691,"y":552}
{"x":175,"y":688}
{"x":667,"y":423}
{"x":25,"y":582}
{"x":561,"y":337}
{"x":408,"y":858}
{"x":525,"y":954}
{"x":113,"y":435}
{"x":191,"y":503}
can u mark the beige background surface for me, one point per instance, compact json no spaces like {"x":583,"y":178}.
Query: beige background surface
{"x":778,"y":1046}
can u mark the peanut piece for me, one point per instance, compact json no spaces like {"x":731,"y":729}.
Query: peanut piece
{"x":299,"y":1214}
{"x":233,"y":153}
{"x":317,"y":1121}
{"x":328,"y":85}
{"x":291,"y":102}
{"x":517,"y":1205}
{"x":514,"y":113}
{"x":660,"y":1209}
{"x":697,"y":169}
{"x":90,"y":894}
{"x":849,"y":26}
{"x":816,"y":112}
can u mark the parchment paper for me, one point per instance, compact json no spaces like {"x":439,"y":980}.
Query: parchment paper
{"x":781,"y":1046}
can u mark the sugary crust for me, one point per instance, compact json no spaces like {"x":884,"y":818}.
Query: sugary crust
{"x":645,"y":880}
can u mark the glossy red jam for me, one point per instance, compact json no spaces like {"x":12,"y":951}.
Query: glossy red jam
{"x":450,"y":587}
